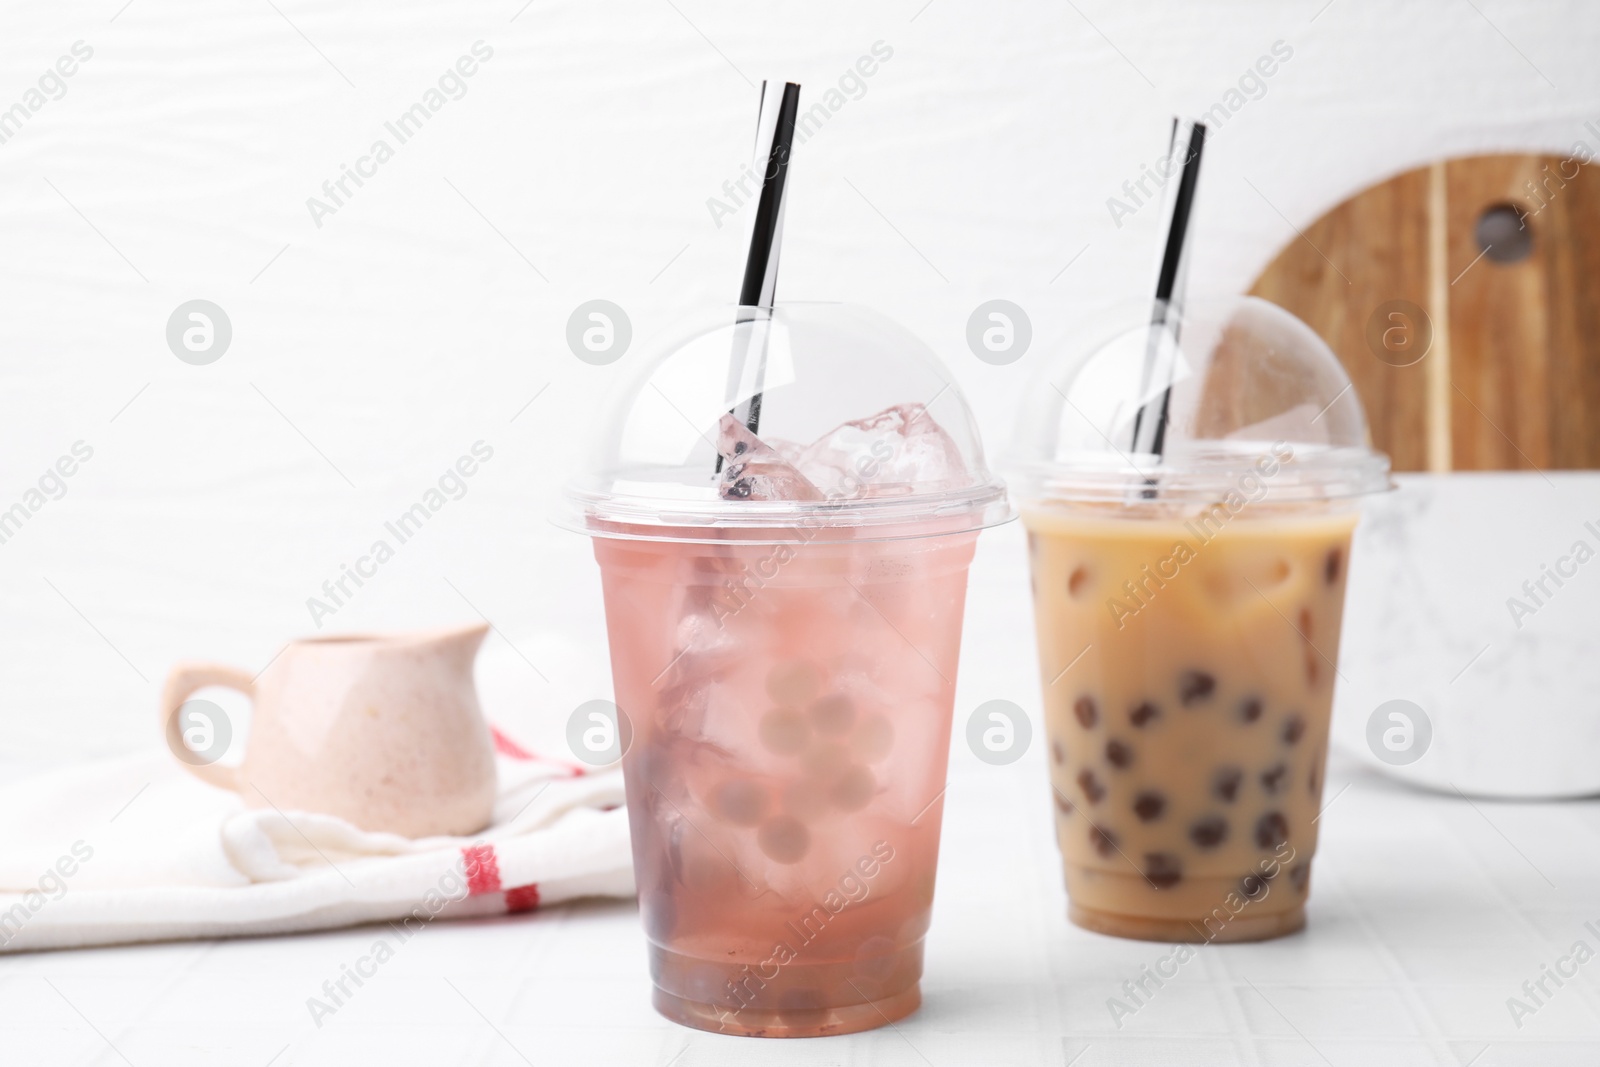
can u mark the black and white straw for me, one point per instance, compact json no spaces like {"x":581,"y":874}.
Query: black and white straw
{"x":1184,"y":153}
{"x":775,"y":126}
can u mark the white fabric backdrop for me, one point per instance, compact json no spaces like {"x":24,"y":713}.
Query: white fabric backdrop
{"x":369,"y":352}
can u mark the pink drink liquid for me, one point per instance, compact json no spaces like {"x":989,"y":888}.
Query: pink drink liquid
{"x":790,"y":709}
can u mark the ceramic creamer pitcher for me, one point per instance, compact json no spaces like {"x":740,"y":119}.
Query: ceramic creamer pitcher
{"x":383,"y":731}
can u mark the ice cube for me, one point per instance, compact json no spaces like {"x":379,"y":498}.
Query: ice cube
{"x":701,"y":632}
{"x":882,"y":455}
{"x":753,"y":470}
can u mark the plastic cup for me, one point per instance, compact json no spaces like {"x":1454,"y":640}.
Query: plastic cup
{"x":1188,"y":609}
{"x":787,"y":666}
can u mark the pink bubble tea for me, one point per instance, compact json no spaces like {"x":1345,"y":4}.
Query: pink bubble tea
{"x":784,"y":622}
{"x":791,"y":709}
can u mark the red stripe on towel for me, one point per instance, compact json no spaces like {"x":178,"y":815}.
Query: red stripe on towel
{"x":511,"y":750}
{"x":507,"y":747}
{"x":483,"y":870}
{"x":483,"y":876}
{"x":522,"y":898}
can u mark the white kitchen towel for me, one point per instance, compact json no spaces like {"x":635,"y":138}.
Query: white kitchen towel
{"x":138,"y":849}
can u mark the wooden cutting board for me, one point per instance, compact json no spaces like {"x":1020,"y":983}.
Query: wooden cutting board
{"x":1464,"y":300}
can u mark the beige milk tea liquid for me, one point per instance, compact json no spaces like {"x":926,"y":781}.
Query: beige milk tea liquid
{"x":1188,"y":670}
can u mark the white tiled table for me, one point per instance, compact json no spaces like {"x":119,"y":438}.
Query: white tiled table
{"x":1427,"y":913}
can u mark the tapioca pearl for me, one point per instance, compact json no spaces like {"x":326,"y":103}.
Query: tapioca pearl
{"x":1225,"y":783}
{"x":1086,"y":711}
{"x":784,"y":731}
{"x":833,"y":714}
{"x":1209,"y":832}
{"x":784,"y":839}
{"x":794,"y":683}
{"x":1195,"y":687}
{"x":852,"y":789}
{"x":1272,"y":830}
{"x":1149,"y":805}
{"x":1093,"y":791}
{"x":1253,"y":887}
{"x":1143,"y":714}
{"x":806,"y":801}
{"x":1119,"y":754}
{"x":1293,"y":730}
{"x":1314,"y":779}
{"x":873,"y":739}
{"x":1332,"y":566}
{"x":1305,"y":623}
{"x":1078,"y":582}
{"x":1300,"y":877}
{"x":740,"y":801}
{"x":1250,"y":709}
{"x":1058,"y":753}
{"x":1162,"y":869}
{"x":825,"y":762}
{"x":1104,"y":842}
{"x":1274,"y":778}
{"x":1063,"y":805}
{"x":1313,"y":666}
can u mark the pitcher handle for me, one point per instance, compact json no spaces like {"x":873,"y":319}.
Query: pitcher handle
{"x":182,"y":682}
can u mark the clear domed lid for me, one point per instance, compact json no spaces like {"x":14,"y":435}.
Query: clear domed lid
{"x":1249,"y":380}
{"x":772,"y":423}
